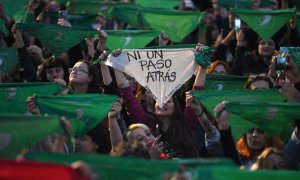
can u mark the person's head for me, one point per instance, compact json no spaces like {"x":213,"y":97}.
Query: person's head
{"x":218,"y":67}
{"x":272,"y":159}
{"x":94,"y":141}
{"x":266,"y":48}
{"x":141,"y":133}
{"x":168,"y":109}
{"x":131,"y":149}
{"x":259,"y":82}
{"x":53,"y":6}
{"x":83,"y":73}
{"x":54,"y":68}
{"x":211,"y":35}
{"x":255,"y":141}
{"x":101,"y":19}
{"x":145,"y":97}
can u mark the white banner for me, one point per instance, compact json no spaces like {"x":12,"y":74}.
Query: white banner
{"x":161,"y":71}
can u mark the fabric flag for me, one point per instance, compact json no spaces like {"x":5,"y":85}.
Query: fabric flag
{"x":95,"y":7}
{"x":57,"y":39}
{"x":15,"y":8}
{"x":265,"y":22}
{"x":211,"y":98}
{"x":128,"y":14}
{"x":224,"y":82}
{"x":161,"y":71}
{"x":273,"y":118}
{"x":107,"y":167}
{"x":13,"y":95}
{"x":76,"y":19}
{"x":242,"y":4}
{"x":18,"y":132}
{"x":14,"y":169}
{"x":8,"y":59}
{"x":129,"y":39}
{"x":227,"y":173}
{"x":177,"y":24}
{"x":167,"y":4}
{"x":294,"y":52}
{"x":89,"y":108}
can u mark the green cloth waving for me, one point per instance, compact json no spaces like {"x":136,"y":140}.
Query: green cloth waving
{"x":167,"y":4}
{"x":89,"y":108}
{"x":177,"y":24}
{"x":130,"y":39}
{"x":8,"y":59}
{"x":57,"y":39}
{"x":211,"y":98}
{"x":224,"y":82}
{"x":14,"y":95}
{"x":265,"y":22}
{"x":18,"y":132}
{"x":273,"y":118}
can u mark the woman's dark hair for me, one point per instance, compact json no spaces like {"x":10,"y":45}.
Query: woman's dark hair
{"x":179,"y":134}
{"x":252,"y":79}
{"x":99,"y":136}
{"x":209,"y":40}
{"x":53,"y":62}
{"x":95,"y":84}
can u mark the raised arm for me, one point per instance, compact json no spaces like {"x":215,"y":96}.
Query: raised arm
{"x":114,"y":129}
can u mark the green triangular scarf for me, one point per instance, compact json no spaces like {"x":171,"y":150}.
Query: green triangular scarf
{"x":129,"y":39}
{"x":224,"y":82}
{"x":8,"y":59}
{"x":265,"y":22}
{"x":89,"y":108}
{"x":57,"y":39}
{"x":14,"y":95}
{"x":18,"y":132}
{"x":167,"y":4}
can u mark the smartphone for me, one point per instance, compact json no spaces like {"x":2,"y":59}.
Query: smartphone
{"x":281,"y":63}
{"x":237,"y":24}
{"x":63,"y":15}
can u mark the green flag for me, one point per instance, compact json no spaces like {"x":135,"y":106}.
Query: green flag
{"x":14,"y":95}
{"x":294,"y":52}
{"x":128,"y":14}
{"x":8,"y":59}
{"x":107,"y":167}
{"x":95,"y":7}
{"x":76,"y":19}
{"x":265,"y":22}
{"x":15,"y":8}
{"x":177,"y":24}
{"x":168,"y":4}
{"x":273,"y":118}
{"x":57,"y":39}
{"x":130,"y":39}
{"x":227,"y":173}
{"x":242,"y":4}
{"x":224,"y":82}
{"x":211,"y":98}
{"x":89,"y":108}
{"x":18,"y":132}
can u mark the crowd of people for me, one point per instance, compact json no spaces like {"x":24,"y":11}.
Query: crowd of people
{"x":136,"y":125}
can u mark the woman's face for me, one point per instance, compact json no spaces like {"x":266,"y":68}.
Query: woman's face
{"x":85,"y":145}
{"x":79,"y":74}
{"x":256,"y":139}
{"x":55,"y":73}
{"x":219,"y":69}
{"x":166,"y":110}
{"x":143,"y":136}
{"x":266,"y":48}
{"x":260,"y":84}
